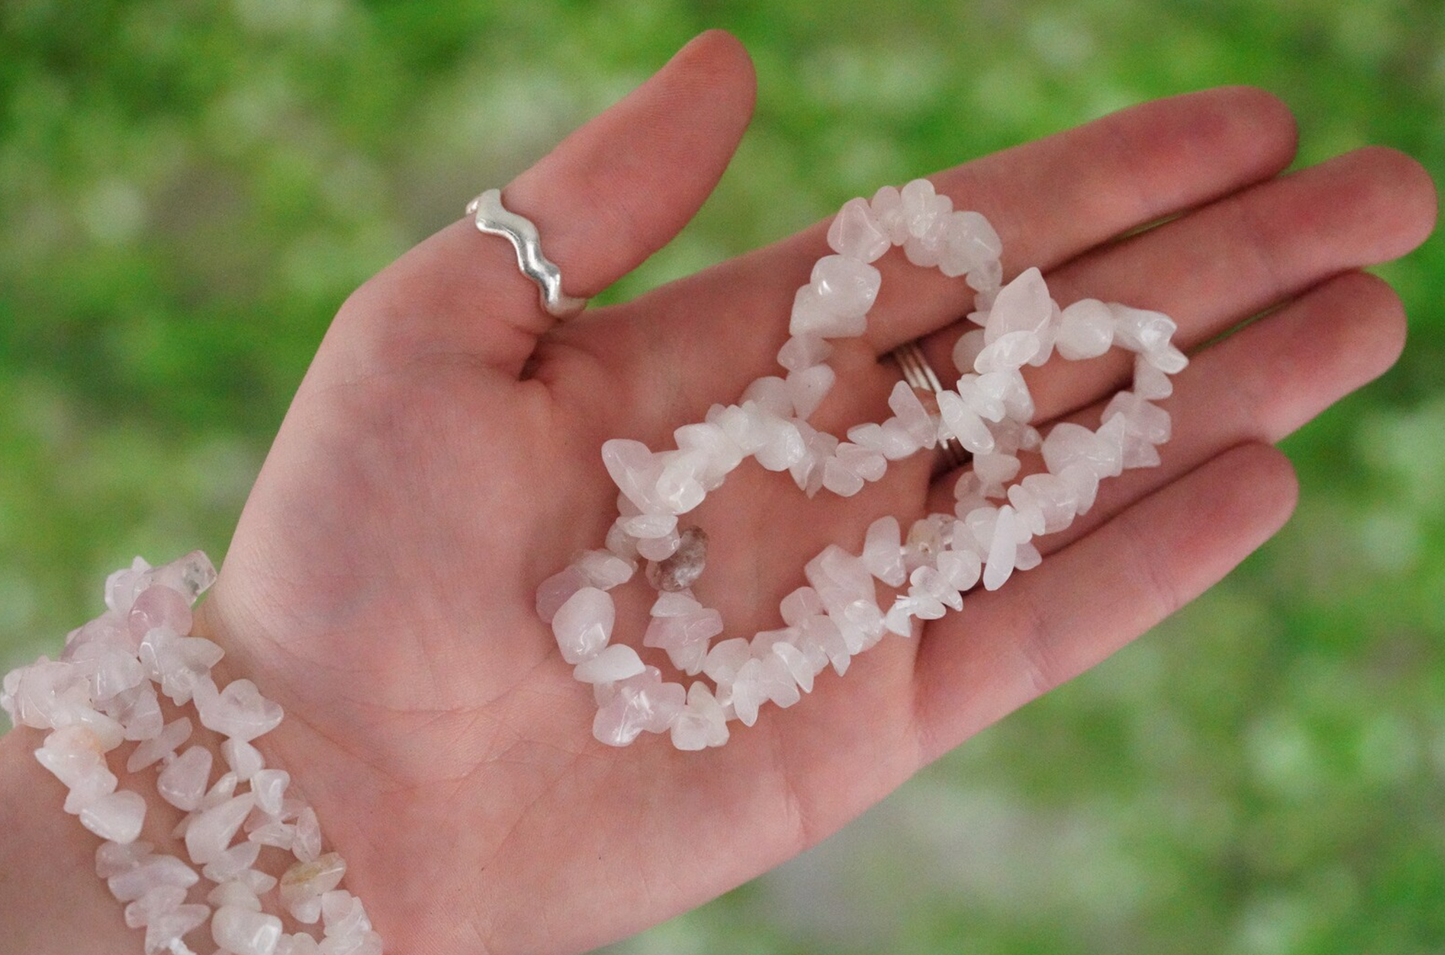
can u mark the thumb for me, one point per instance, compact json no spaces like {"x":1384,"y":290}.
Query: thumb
{"x":613,"y":192}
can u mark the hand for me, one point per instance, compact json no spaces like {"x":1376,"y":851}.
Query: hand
{"x":441,"y":458}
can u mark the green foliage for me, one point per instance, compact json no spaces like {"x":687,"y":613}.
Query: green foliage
{"x":188,"y":190}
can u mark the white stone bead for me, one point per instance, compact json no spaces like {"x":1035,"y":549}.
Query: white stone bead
{"x":925,"y":250}
{"x":967,"y":349}
{"x":269,"y":785}
{"x":210,"y":832}
{"x":839,"y":479}
{"x":812,"y":314}
{"x":113,"y":858}
{"x":807,"y":389}
{"x":273,"y":833}
{"x":222,"y":789}
{"x":800,"y":604}
{"x":721,"y":453}
{"x":164,"y":932}
{"x":658,"y":548}
{"x":95,"y":784}
{"x":984,"y":394}
{"x":184,"y":781}
{"x":231,"y":863}
{"x":895,"y":441}
{"x":243,"y":932}
{"x":972,"y":243}
{"x":1055,"y":498}
{"x":887,"y":208}
{"x":240,"y":712}
{"x":1086,"y":330}
{"x":824,"y":634}
{"x":1022,"y":305}
{"x":685,"y":636}
{"x":799,"y":670}
{"x":305,"y":882}
{"x":1149,"y":382}
{"x":71,"y":753}
{"x":1083,"y":481}
{"x":855,"y":232}
{"x":154,"y":870}
{"x":617,"y":662}
{"x":177,"y":663}
{"x":242,"y":758}
{"x":307,"y":845}
{"x":868,"y":464}
{"x":368,"y":943}
{"x":960,"y":568}
{"x":725,"y":659}
{"x":117,"y":817}
{"x":1149,"y":420}
{"x":343,"y":915}
{"x":236,"y":894}
{"x":1008,"y":352}
{"x":139,"y":712}
{"x":702,"y":721}
{"x":839,"y":579}
{"x":157,"y":902}
{"x":1167,"y":359}
{"x":846,"y":286}
{"x":679,"y":481}
{"x":121,"y":586}
{"x":1003,"y":548}
{"x":1141,"y":330}
{"x":921,"y":206}
{"x":642,"y":702}
{"x":1027,"y":511}
{"x":776,"y":679}
{"x":994,"y":469}
{"x":298,"y":944}
{"x":803,"y":351}
{"x":748,"y":692}
{"x":604,"y":569}
{"x":959,"y":421}
{"x":554,"y":591}
{"x":926,"y":581}
{"x":635,"y":470}
{"x":583,"y":624}
{"x":883,"y":551}
{"x":912,"y":416}
{"x":986,"y":279}
{"x":1068,"y":443}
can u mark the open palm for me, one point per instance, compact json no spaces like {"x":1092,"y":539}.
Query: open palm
{"x":441,"y":458}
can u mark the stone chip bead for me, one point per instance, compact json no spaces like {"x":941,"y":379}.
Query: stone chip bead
{"x":583,"y":624}
{"x":244,"y":932}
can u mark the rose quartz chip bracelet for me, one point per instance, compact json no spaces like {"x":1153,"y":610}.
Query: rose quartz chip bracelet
{"x":837,"y":615}
{"x":102,"y":695}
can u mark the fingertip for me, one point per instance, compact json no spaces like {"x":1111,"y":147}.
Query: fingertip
{"x":1407,"y":183}
{"x":1268,"y":115}
{"x":1269,"y":485}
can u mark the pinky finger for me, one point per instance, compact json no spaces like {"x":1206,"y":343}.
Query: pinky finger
{"x":1096,"y":595}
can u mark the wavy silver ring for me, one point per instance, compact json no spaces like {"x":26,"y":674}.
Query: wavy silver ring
{"x":492,"y":218}
{"x":919,"y":374}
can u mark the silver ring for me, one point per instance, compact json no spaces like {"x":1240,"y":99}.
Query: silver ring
{"x":919,"y":374}
{"x":493,"y":219}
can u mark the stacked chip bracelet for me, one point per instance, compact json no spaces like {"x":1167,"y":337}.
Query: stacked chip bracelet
{"x":102,"y":694}
{"x":837,"y":615}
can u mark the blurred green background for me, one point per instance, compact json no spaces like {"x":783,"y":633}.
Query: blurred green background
{"x":189,"y":189}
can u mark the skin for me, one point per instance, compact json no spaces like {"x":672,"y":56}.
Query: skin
{"x":440,"y":458}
